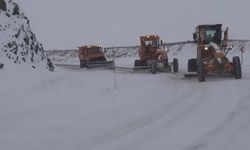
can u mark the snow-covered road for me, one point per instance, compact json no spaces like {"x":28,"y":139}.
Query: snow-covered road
{"x":82,"y":110}
{"x":74,"y":109}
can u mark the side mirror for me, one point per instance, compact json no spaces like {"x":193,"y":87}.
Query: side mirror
{"x":161,"y":42}
{"x":194,"y":36}
{"x":230,"y":47}
{"x":242,"y":49}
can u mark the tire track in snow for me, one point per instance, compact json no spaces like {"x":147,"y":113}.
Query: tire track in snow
{"x":183,"y":121}
{"x":188,"y":104}
{"x":239,"y":116}
{"x":140,"y":123}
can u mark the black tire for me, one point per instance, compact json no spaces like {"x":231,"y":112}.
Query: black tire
{"x":237,"y":67}
{"x":138,"y":63}
{"x":192,"y":67}
{"x":166,"y":63}
{"x":83,"y":64}
{"x":175,"y":65}
{"x":154,"y":67}
{"x":200,"y":71}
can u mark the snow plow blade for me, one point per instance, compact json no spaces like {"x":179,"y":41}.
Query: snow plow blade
{"x":188,"y":75}
{"x":133,"y":70}
{"x":142,"y":68}
{"x":101,"y":64}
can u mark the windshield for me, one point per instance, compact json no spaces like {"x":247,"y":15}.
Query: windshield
{"x":154,"y":43}
{"x":211,"y":35}
{"x":93,"y":50}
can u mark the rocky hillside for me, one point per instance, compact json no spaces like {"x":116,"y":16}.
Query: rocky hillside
{"x":18,"y":43}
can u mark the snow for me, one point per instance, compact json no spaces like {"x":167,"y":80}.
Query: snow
{"x":81,"y":109}
{"x":17,"y":42}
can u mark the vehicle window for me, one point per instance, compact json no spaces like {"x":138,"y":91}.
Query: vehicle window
{"x":148,"y":42}
{"x":211,"y":35}
{"x":152,"y":43}
{"x":93,"y":50}
{"x":155,"y":43}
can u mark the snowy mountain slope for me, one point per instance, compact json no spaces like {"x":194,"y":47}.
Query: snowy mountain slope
{"x":18,"y":44}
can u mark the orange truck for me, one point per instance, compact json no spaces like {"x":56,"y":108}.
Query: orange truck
{"x":91,"y":56}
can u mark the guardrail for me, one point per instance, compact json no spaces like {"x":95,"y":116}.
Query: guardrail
{"x":119,"y":50}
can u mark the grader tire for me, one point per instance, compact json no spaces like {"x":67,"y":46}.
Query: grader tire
{"x":237,"y":67}
{"x":138,"y":63}
{"x":166,"y":63}
{"x":192,"y":67}
{"x":175,"y":65}
{"x":83,"y":64}
{"x":154,"y":67}
{"x":200,"y":71}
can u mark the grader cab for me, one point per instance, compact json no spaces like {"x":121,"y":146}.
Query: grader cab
{"x":212,"y":50}
{"x":153,"y":55}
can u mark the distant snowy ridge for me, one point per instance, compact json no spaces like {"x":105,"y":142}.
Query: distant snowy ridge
{"x":18,"y":43}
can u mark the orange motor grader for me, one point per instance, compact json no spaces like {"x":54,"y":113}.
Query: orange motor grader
{"x":212,"y":50}
{"x":91,"y":56}
{"x":153,"y":55}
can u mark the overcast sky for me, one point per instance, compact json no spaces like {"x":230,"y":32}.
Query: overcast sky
{"x":61,"y":24}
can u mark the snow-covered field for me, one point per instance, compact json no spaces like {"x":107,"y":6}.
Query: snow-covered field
{"x":82,"y":110}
